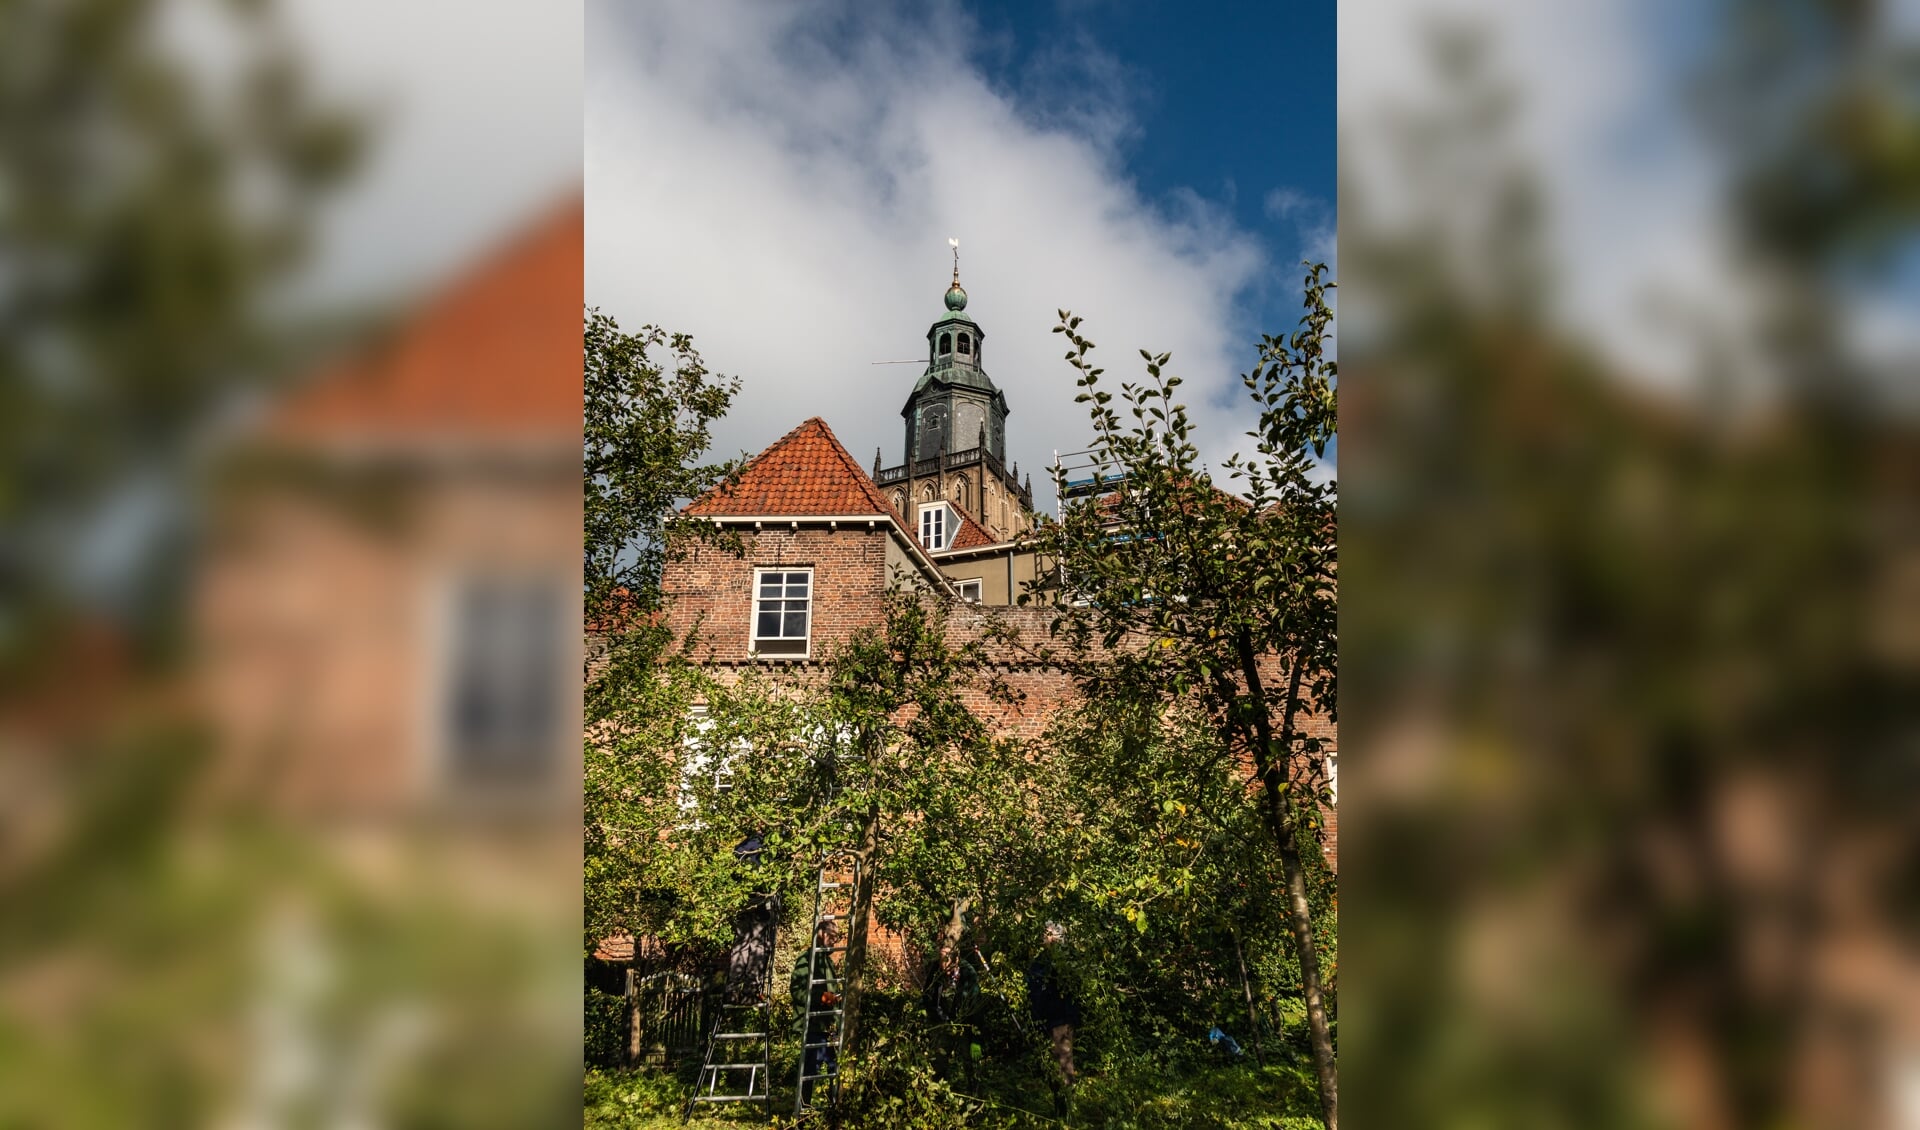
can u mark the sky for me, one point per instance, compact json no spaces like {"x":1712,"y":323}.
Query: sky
{"x":475,"y":132}
{"x":1632,"y":203}
{"x":780,"y":181}
{"x":1647,"y":269}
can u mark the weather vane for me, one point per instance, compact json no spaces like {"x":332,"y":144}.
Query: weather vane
{"x":955,"y":244}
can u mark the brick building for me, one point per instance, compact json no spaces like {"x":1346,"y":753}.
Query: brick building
{"x":824,"y":540}
{"x":389,"y":605}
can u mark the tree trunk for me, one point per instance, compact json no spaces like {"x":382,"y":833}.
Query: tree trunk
{"x":1246,"y":986}
{"x":855,"y":979}
{"x":1282,"y":820}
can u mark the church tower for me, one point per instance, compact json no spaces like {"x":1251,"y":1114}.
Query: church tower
{"x":956,"y":431}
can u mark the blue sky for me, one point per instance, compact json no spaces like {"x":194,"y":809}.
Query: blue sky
{"x":780,"y":181}
{"x":1233,"y":101}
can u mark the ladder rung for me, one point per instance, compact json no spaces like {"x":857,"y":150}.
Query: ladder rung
{"x":730,"y":1098}
{"x":734,"y":1066}
{"x":828,"y":1044}
{"x":828,"y":1075}
{"x":738,"y":1035}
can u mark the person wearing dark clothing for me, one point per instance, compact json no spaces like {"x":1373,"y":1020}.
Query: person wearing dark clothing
{"x":750,"y":961}
{"x":952,"y":991}
{"x":1054,"y":1007}
{"x":815,"y":985}
{"x":751,"y":958}
{"x":951,"y":997}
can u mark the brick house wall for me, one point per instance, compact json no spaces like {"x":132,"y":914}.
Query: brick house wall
{"x":804,"y":504}
{"x":712,"y":587}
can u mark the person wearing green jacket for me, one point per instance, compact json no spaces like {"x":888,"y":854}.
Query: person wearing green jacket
{"x":815,"y":985}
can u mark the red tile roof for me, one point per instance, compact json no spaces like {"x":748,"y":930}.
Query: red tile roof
{"x":805,"y":472}
{"x":971,"y":536}
{"x":495,"y":355}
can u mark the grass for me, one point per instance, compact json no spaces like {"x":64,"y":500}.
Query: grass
{"x":1136,"y":1095}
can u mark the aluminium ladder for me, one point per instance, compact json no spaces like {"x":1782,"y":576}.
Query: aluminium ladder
{"x":823,"y":1028}
{"x":732,"y":1050}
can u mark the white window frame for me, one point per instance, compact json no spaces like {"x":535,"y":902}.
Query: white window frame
{"x":948,"y":522}
{"x":975,"y":586}
{"x":754,"y":638}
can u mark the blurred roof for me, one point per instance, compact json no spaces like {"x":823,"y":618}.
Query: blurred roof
{"x":493,"y":356}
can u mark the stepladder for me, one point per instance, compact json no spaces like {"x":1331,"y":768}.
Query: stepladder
{"x":737,"y":1067}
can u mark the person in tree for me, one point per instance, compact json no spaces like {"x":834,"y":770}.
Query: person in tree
{"x":751,"y":959}
{"x":815,"y":985}
{"x":951,"y":997}
{"x":1054,"y":1008}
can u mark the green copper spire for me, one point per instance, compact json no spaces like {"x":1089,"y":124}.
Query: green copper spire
{"x":956,"y":297}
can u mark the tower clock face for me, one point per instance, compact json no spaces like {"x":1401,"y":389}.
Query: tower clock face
{"x":967,"y":418}
{"x":933,"y":431}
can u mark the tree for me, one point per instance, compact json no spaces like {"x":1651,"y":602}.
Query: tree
{"x":1156,"y":856}
{"x":650,"y":404}
{"x":648,"y":423}
{"x":1178,"y":589}
{"x":149,"y":217}
{"x":885,"y":759}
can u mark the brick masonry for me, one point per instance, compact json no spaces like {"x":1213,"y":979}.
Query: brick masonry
{"x":711,"y":590}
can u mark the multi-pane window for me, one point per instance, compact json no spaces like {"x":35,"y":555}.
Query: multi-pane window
{"x":782,"y":598}
{"x":501,"y":703}
{"x":933,"y":526}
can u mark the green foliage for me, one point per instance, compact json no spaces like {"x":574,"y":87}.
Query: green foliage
{"x":1184,"y":585}
{"x":892,"y":1087}
{"x":887,"y":741}
{"x":647,"y":427}
{"x":648,"y":423}
{"x":1186,"y":594}
{"x":149,"y":215}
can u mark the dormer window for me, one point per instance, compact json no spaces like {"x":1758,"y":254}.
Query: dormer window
{"x":946,"y":344}
{"x":938,"y":525}
{"x":966,"y":343}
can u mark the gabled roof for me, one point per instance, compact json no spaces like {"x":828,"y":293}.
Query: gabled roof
{"x":494,"y":356}
{"x":805,"y":472}
{"x":971,"y":536}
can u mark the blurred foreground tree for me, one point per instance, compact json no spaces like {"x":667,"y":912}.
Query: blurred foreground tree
{"x":1174,"y":587}
{"x":1617,"y":641}
{"x":157,"y":184}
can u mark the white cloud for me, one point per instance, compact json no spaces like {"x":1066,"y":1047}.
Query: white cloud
{"x":789,"y":205}
{"x":475,"y":107}
{"x":1633,"y":207}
